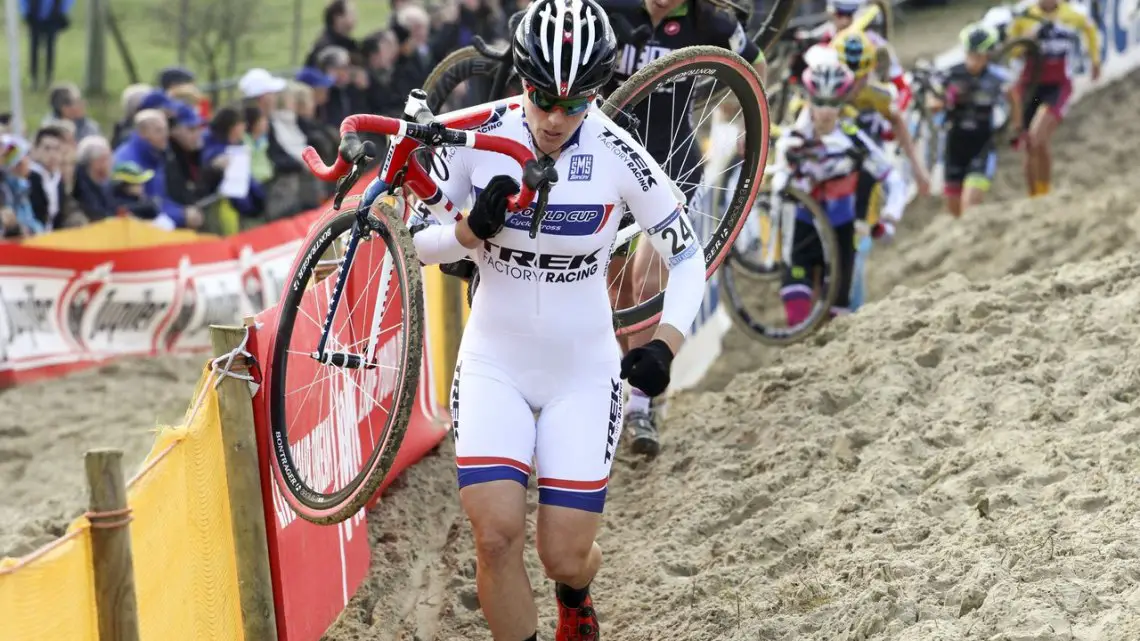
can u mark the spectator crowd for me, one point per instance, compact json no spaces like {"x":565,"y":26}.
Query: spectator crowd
{"x":178,"y":161}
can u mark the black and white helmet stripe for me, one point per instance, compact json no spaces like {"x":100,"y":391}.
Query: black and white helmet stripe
{"x":565,"y":47}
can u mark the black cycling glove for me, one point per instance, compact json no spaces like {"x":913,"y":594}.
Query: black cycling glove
{"x":490,"y":210}
{"x":647,"y":367}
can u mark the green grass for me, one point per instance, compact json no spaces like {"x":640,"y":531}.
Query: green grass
{"x":153,"y":44}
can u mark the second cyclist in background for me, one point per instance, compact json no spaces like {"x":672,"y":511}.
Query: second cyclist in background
{"x":841,"y":14}
{"x":972,"y":91}
{"x":660,"y":27}
{"x":822,"y":155}
{"x":1057,"y":28}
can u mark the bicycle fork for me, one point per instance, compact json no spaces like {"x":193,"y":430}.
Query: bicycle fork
{"x":349,"y":360}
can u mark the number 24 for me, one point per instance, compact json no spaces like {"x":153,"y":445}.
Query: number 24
{"x":680,"y":240}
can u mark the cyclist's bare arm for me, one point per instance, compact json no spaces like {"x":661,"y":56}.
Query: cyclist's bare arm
{"x":447,"y":241}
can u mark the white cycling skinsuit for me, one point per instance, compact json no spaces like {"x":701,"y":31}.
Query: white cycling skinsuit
{"x":540,"y":338}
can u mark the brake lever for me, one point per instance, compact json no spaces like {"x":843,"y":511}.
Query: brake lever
{"x":539,"y":175}
{"x":360,"y":154}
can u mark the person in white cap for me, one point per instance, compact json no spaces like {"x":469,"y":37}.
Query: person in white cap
{"x":262,"y":87}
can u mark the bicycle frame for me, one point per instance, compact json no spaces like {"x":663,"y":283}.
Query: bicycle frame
{"x":400,"y":169}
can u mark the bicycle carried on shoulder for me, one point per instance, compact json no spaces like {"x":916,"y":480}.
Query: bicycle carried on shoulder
{"x":350,"y":331}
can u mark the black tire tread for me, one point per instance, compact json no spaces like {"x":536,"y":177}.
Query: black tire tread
{"x":827,"y":235}
{"x":412,"y":280}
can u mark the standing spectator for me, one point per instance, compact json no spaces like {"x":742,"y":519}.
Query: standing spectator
{"x":261,"y":88}
{"x":146,"y":147}
{"x":47,"y":191}
{"x":45,"y":18}
{"x":92,"y":191}
{"x":188,"y":181}
{"x":340,"y":21}
{"x":320,"y":136}
{"x":67,"y":167}
{"x":345,"y":98}
{"x":129,"y":102}
{"x":414,"y":62}
{"x":175,"y":77}
{"x":16,"y":213}
{"x":380,"y":52}
{"x":67,"y":103}
{"x":459,"y":26}
{"x":257,"y":140}
{"x":228,"y":129}
{"x":295,"y":192}
{"x":319,"y":82}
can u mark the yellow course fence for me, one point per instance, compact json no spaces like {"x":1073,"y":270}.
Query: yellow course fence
{"x":182,"y":543}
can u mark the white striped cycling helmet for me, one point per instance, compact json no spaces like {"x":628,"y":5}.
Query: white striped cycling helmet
{"x":565,"y":48}
{"x":828,"y":83}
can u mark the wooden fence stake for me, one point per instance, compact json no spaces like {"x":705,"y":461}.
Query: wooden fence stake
{"x":247,"y":513}
{"x":114,"y":571}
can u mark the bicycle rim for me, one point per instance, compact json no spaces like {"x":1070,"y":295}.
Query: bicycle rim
{"x":321,"y":470}
{"x":718,"y":230}
{"x":737,"y":297}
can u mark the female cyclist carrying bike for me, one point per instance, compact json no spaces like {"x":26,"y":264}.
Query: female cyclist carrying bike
{"x":972,"y":91}
{"x":822,"y":155}
{"x":540,"y":338}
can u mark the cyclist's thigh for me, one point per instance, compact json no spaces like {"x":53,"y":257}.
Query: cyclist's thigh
{"x":1058,"y":99}
{"x":578,"y":433}
{"x":863,"y":188}
{"x":807,"y":252}
{"x":845,"y":240}
{"x":955,"y":166}
{"x":492,"y":424}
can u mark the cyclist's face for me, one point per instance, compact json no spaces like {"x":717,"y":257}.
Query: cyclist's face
{"x":975,"y":62}
{"x":552,"y":126}
{"x":842,"y":20}
{"x":824,"y":119}
{"x":1048,"y":5}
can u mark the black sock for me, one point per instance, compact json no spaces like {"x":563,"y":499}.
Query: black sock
{"x":570,"y":597}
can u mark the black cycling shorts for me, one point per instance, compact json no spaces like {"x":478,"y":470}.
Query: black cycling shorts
{"x":970,"y":160}
{"x":807,"y":255}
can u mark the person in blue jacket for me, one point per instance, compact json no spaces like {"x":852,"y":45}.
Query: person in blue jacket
{"x":146,"y":147}
{"x":45,"y":18}
{"x":228,"y":128}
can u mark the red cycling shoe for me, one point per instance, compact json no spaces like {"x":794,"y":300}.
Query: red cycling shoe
{"x":577,"y":624}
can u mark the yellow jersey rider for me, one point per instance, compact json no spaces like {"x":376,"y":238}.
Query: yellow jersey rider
{"x":1057,"y":28}
{"x":877,"y":111}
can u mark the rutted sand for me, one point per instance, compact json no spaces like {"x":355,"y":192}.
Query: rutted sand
{"x":957,"y":461}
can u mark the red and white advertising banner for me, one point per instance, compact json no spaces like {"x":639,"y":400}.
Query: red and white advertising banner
{"x":62,"y":310}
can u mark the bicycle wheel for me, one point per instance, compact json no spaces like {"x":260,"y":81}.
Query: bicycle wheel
{"x":884,"y":24}
{"x":717,"y":229}
{"x":460,"y":66}
{"x":762,"y":325}
{"x":321,"y":470}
